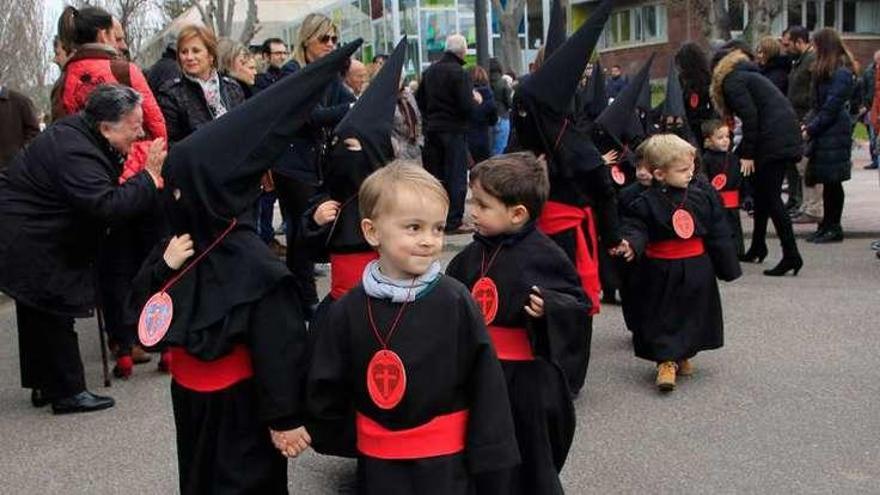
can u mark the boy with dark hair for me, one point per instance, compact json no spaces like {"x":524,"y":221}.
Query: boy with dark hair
{"x":531,"y":298}
{"x":721,"y":168}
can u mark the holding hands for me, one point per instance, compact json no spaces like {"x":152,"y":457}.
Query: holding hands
{"x":326,"y":212}
{"x":179,"y":249}
{"x":623,"y":249}
{"x":291,"y":443}
{"x":535,"y":307}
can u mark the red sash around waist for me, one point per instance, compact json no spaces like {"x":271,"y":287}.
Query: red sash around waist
{"x":511,"y":344}
{"x":210,"y":376}
{"x":443,"y":435}
{"x":675,"y":249}
{"x":730,"y":199}
{"x":559,"y":217}
{"x":346,"y":271}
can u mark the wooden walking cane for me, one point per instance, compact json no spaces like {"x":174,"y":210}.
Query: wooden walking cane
{"x":99,"y":312}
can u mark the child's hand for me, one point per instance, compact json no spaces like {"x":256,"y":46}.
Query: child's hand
{"x":623,"y":249}
{"x":535,"y":307}
{"x":291,"y":443}
{"x":326,"y":212}
{"x":610,"y":157}
{"x":178,"y":251}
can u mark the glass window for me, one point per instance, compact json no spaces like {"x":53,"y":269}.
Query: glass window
{"x":638,"y":28}
{"x":649,"y":17}
{"x":409,"y":23}
{"x":812,"y":14}
{"x":438,"y":3}
{"x":849,"y":16}
{"x":868,"y":17}
{"x":830,"y":14}
{"x":436,"y":24}
{"x":625,"y":18}
{"x":736,"y":10}
{"x":535,"y":23}
{"x":795,"y":13}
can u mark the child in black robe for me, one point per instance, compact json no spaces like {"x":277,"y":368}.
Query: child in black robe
{"x":230,"y":315}
{"x":403,"y":373}
{"x":331,"y":228}
{"x":530,"y":296}
{"x":680,"y":232}
{"x":722,"y":169}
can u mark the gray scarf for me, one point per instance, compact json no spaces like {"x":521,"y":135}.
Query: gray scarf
{"x":381,"y":287}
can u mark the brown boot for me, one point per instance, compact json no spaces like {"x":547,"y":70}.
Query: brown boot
{"x":139,"y":355}
{"x":666,"y":376}
{"x":685,"y":367}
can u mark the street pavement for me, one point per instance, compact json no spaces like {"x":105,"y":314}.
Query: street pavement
{"x":791,"y":404}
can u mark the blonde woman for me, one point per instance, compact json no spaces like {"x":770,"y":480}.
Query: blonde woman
{"x":238,"y":63}
{"x":775,"y":64}
{"x":298,"y":172}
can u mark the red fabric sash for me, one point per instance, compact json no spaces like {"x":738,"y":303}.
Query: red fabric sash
{"x":443,"y":435}
{"x":675,"y":249}
{"x":511,"y":344}
{"x":559,"y":217}
{"x":346,"y":271}
{"x":730,"y":199}
{"x":210,"y":376}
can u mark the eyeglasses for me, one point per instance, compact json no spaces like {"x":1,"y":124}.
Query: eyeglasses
{"x":285,"y":53}
{"x":326,"y":38}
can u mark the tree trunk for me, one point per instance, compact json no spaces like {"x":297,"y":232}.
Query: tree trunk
{"x":761,"y":16}
{"x":251,"y":24}
{"x":510,"y":19}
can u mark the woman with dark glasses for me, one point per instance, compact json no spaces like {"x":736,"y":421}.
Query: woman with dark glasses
{"x":298,"y":173}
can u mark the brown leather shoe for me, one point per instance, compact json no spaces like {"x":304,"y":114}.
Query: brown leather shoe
{"x":685,"y":368}
{"x":666,"y":376}
{"x":139,"y":355}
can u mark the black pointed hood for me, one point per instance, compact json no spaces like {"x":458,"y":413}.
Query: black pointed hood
{"x":595,"y":97}
{"x":620,"y":121}
{"x":554,"y":84}
{"x":673,"y":105}
{"x":217,"y":169}
{"x":556,"y":29}
{"x":372,"y":117}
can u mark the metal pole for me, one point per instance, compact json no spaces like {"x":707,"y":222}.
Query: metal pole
{"x":482,"y":33}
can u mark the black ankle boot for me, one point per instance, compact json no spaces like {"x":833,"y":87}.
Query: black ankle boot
{"x":794,"y":263}
{"x":831,"y":234}
{"x":755,"y":254}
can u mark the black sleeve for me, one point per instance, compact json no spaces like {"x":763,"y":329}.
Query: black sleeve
{"x":278,"y":345}
{"x":633,"y":227}
{"x":175,"y":117}
{"x":465,"y":95}
{"x":491,"y":440}
{"x":565,"y":325}
{"x":92,"y":190}
{"x":314,"y":238}
{"x":597,"y":184}
{"x":739,"y":100}
{"x":719,"y":243}
{"x":329,"y":391}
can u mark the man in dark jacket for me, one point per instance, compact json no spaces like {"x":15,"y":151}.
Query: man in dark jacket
{"x":166,"y":68}
{"x":446,"y":98}
{"x":57,"y":199}
{"x":18,"y":124}
{"x":616,"y":82}
{"x":869,"y":77}
{"x":805,"y":202}
{"x":275,"y":54}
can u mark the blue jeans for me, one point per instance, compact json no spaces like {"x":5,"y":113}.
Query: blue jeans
{"x":874,"y":145}
{"x":500,"y":135}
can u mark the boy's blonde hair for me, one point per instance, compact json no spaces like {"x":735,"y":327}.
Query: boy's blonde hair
{"x":660,"y":150}
{"x":381,"y":187}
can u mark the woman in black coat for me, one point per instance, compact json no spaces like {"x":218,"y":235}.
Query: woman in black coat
{"x":774,"y":64}
{"x":57,"y":200}
{"x":483,"y":117}
{"x":298,"y":173}
{"x":829,"y":130}
{"x":770,"y":142}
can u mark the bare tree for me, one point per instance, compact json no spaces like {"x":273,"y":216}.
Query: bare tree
{"x":717,"y":25}
{"x":218,"y":14}
{"x":172,"y":9}
{"x":510,"y":18}
{"x":23,"y":41}
{"x":762,"y":13}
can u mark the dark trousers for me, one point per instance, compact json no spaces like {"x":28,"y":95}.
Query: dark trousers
{"x":768,"y":204}
{"x":795,"y":186}
{"x":832,"y":202}
{"x":294,"y":196}
{"x":445,"y":156}
{"x":48,"y":353}
{"x":265,"y":214}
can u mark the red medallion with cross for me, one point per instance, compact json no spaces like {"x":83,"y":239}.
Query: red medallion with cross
{"x":155,"y":319}
{"x":386,"y":379}
{"x":617,"y":175}
{"x":683,"y":223}
{"x":719,"y":181}
{"x":485,"y":292}
{"x":694,"y":101}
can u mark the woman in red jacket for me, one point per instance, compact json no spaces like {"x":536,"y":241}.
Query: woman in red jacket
{"x":95,"y":61}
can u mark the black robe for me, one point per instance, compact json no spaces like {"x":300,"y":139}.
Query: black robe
{"x":629,"y":271}
{"x":223,"y":436}
{"x":719,"y":162}
{"x":679,"y":308}
{"x":450,"y":366}
{"x":540,"y":397}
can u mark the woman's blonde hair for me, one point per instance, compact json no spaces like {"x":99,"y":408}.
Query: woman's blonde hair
{"x":379,"y":190}
{"x":769,"y":47}
{"x":228,"y":51}
{"x":660,"y":150}
{"x":313,"y":25}
{"x":201,"y":32}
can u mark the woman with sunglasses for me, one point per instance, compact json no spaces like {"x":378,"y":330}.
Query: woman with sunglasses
{"x":297,"y":174}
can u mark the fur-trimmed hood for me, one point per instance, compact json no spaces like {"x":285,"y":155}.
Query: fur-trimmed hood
{"x":725,"y":66}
